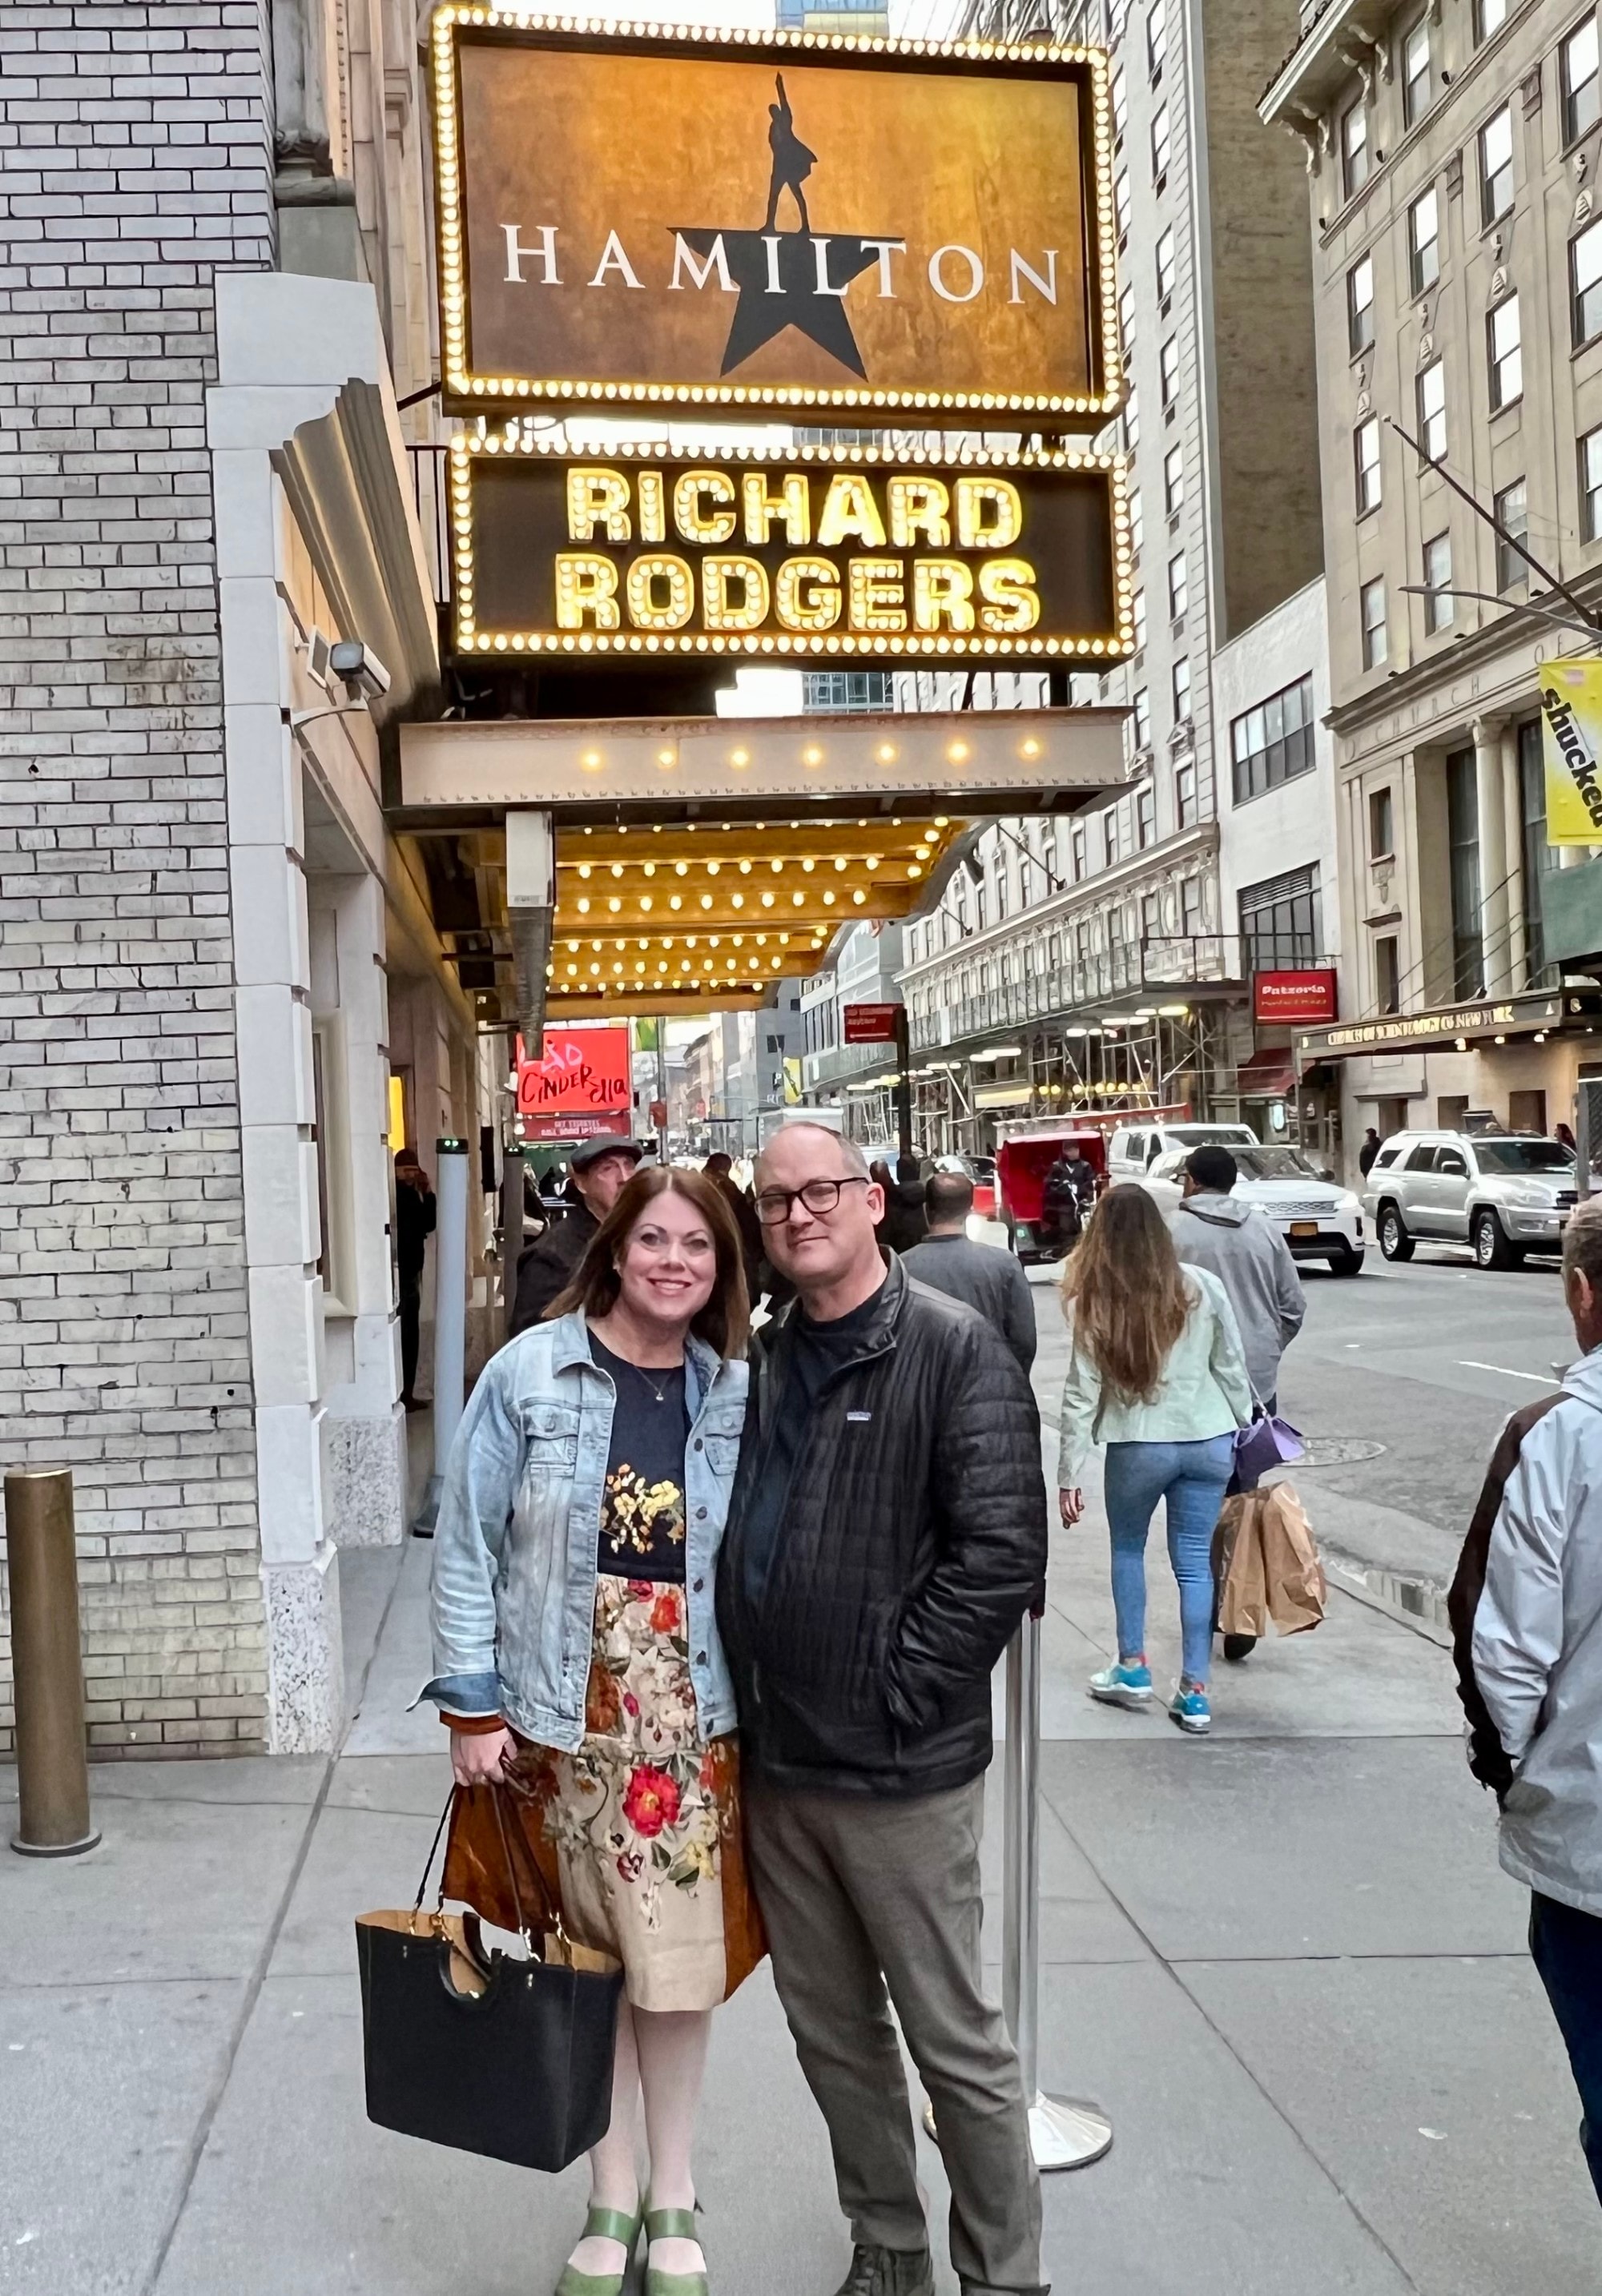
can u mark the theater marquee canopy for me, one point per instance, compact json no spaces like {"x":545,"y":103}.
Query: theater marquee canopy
{"x":790,"y":220}
{"x":812,"y":553}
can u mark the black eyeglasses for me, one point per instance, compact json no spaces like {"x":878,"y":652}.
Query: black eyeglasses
{"x":773,"y":1205}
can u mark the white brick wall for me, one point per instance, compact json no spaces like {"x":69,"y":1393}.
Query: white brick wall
{"x":134,"y":162}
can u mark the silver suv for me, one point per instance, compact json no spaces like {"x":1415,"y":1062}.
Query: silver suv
{"x":1504,"y":1193}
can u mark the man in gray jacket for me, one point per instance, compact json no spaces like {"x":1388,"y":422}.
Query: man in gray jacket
{"x":1530,"y":1665}
{"x":1212,"y":1228}
{"x":986,"y":1276}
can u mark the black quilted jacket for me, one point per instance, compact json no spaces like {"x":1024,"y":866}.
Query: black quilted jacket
{"x":913,"y":1540}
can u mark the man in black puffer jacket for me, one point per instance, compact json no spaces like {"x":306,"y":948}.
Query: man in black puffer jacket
{"x":887,"y":1533}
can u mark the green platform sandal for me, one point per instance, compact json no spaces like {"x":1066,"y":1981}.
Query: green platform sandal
{"x":603,"y":2223}
{"x":672,"y":2224}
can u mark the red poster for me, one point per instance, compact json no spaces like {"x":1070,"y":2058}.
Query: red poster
{"x":582,"y":1073}
{"x":1309,"y":996}
{"x":871,"y":1024}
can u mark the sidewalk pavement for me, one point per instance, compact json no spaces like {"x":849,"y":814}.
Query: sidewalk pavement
{"x":1283,"y":1960}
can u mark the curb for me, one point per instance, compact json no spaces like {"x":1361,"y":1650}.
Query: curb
{"x":1416,"y":1603}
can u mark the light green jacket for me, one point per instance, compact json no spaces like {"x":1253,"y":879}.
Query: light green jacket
{"x":1204,"y":1392}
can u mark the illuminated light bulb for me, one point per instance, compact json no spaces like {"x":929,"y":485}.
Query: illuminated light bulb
{"x":768,"y":900}
{"x":712,"y":868}
{"x":584,"y":868}
{"x":681,"y":868}
{"x":739,"y":757}
{"x":859,"y":897}
{"x":1031,"y":747}
{"x":913,"y":870}
{"x":591,"y":761}
{"x":614,"y":903}
{"x":828,"y":901}
{"x":812,"y":755}
{"x":617,"y":868}
{"x":572,"y":971}
{"x":840,"y":861}
{"x":650,"y":868}
{"x":736,"y":940}
{"x":713,"y":940}
{"x":646,"y":901}
{"x":573,"y":947}
{"x":595,"y":970}
{"x":942,"y":821}
{"x":675,"y":903}
{"x":809,"y":864}
{"x":617,"y":968}
{"x":959,"y":753}
{"x":776,"y":865}
{"x":639,"y":968}
{"x":664,"y":757}
{"x":706,"y":900}
{"x":922,"y":851}
{"x":797,"y":900}
{"x":584,"y":908}
{"x":886,"y":753}
{"x":870,"y":860}
{"x":596,"y":946}
{"x":736,"y":900}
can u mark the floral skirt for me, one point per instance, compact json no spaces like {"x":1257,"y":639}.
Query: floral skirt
{"x":636,"y":1837}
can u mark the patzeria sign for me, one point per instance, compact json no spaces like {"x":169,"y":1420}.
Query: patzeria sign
{"x":630,"y":218}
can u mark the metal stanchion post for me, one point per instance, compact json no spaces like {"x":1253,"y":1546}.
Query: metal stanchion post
{"x":1064,"y":2132}
{"x":53,"y":1769}
{"x":450,"y":1316}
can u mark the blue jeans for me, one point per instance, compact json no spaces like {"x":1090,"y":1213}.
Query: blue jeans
{"x":1566,"y":1948}
{"x":1191,"y":1477}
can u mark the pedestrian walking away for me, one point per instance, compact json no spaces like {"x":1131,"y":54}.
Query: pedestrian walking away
{"x":414,"y":1217}
{"x":903,"y":1222}
{"x":1156,"y":1372}
{"x":579,"y":1666}
{"x":886,"y":1535}
{"x":991,"y":1279}
{"x":1212,"y":1228}
{"x":1527,"y":1614}
{"x":1369,"y":1150}
{"x":598,"y":1171}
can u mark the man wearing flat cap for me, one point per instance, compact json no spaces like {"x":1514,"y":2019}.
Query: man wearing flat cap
{"x":598,"y":1171}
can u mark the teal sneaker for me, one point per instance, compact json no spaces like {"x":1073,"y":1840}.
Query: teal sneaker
{"x":1190,"y":1708}
{"x":1122,"y":1685}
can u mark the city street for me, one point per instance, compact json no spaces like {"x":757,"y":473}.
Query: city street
{"x":1284,"y":1959}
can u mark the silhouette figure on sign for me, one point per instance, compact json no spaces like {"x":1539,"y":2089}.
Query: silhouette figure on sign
{"x":793,"y":163}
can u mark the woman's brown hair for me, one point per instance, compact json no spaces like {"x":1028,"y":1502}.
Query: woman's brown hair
{"x":725,"y":1321}
{"x":1128,"y":1294}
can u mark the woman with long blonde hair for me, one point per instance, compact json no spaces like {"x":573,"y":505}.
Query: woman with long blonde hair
{"x":1157,"y":1373}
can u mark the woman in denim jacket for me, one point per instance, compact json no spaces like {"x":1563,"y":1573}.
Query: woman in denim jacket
{"x":577,"y":1664}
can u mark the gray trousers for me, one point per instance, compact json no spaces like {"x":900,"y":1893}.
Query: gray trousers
{"x":869,"y":1902}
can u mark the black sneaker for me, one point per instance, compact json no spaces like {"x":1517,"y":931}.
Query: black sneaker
{"x":889,"y":2272}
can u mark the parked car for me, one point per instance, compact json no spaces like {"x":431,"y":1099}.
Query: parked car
{"x":1134,"y":1146}
{"x":1318,"y":1220}
{"x":1503,"y":1192}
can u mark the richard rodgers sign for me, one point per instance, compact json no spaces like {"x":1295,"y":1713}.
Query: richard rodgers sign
{"x":796,"y":551}
{"x":770,"y":218}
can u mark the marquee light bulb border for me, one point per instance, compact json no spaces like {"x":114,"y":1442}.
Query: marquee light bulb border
{"x":1089,"y":410}
{"x":469,"y":447}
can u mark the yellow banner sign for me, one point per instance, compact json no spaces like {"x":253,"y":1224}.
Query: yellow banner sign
{"x":1571,"y":723}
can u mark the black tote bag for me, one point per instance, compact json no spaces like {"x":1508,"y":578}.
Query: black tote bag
{"x":482,"y":2050}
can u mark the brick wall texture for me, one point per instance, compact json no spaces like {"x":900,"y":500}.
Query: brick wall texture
{"x":134,"y":162}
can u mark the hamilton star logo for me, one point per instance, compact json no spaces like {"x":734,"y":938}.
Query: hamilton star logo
{"x":789,"y":278}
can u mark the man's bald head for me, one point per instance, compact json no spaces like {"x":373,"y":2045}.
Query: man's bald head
{"x":850,"y":1162}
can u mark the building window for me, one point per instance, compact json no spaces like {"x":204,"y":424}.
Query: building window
{"x":1126,"y":316}
{"x":1512,"y":512}
{"x":1167,"y":362}
{"x":1424,"y":241}
{"x":1387,"y":978}
{"x":1416,"y":71}
{"x":1150,"y":917}
{"x":1120,"y":207}
{"x":1145,"y":816}
{"x":1537,"y":856}
{"x":1137,"y":522}
{"x":1165,"y":267}
{"x":1490,"y":16}
{"x":1279,"y":921}
{"x":1179,"y":592}
{"x":1273,"y":742}
{"x":1190,"y":908}
{"x":1505,"y":354}
{"x":1365,"y":451}
{"x":1160,"y":146}
{"x":1437,"y":583}
{"x":1131,"y":421}
{"x":1463,"y":851}
{"x":1109,"y":834}
{"x":1381,"y":825}
{"x":1578,"y":80}
{"x":1138,"y":615}
{"x":1120,"y":105}
{"x":1080,"y":862}
{"x":1430,"y":393}
{"x":1156,"y":38}
{"x":1140,"y":721}
{"x":1173,"y":481}
{"x":1355,"y":162}
{"x":1585,"y":284}
{"x":1371,"y":603}
{"x":1184,"y":797}
{"x":1181,"y":689}
{"x":1360,"y":306}
{"x":1004,"y":885}
{"x":846,"y":690}
{"x":1496,"y":166}
{"x":1590,"y":486}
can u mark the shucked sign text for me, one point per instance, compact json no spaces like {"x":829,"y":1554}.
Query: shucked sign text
{"x":800,"y":552}
{"x":736,"y":221}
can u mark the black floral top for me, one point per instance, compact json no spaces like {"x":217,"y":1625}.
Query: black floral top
{"x":643,"y":1503}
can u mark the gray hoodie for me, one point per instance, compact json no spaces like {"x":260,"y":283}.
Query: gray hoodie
{"x":1252,"y":1262}
{"x":1537,"y":1646}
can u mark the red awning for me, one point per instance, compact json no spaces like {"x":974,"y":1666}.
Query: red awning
{"x":1267,"y":1075}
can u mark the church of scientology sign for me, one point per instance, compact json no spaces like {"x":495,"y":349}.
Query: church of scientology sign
{"x":876,"y":230}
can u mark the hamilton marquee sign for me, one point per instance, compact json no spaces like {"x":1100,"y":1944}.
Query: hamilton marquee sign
{"x":630,"y":217}
{"x":809,"y":551}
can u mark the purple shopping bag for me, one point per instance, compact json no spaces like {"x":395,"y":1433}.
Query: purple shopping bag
{"x":1267,"y":1443}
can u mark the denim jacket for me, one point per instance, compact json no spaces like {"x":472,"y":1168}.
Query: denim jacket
{"x":515,"y":1549}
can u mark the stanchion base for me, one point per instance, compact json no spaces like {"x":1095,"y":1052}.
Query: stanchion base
{"x":54,"y":1848}
{"x":1062,"y":2132}
{"x":428,"y":1514}
{"x":1065,"y":2134}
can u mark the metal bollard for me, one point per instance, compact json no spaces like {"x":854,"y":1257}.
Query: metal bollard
{"x":53,"y":1766}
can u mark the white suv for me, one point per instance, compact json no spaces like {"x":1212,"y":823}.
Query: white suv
{"x":1318,"y":1220}
{"x":1134,"y":1146}
{"x":1504,"y":1193}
